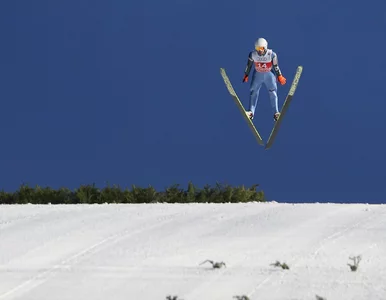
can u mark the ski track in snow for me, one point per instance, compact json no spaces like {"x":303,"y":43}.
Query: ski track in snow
{"x":149,"y":251}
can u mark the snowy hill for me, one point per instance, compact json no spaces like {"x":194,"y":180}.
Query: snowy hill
{"x":95,"y":252}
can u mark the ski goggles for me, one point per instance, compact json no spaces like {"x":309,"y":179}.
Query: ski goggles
{"x":260,"y":48}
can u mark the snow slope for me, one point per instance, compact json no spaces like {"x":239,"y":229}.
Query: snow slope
{"x":90,"y":252}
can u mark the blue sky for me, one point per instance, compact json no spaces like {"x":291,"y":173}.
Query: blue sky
{"x":131,"y":93}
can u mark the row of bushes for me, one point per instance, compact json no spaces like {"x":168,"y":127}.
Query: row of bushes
{"x":114,"y":194}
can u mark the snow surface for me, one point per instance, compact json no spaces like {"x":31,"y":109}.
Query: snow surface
{"x":149,"y":251}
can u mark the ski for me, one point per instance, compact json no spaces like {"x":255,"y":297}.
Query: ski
{"x":240,"y":106}
{"x":285,"y":106}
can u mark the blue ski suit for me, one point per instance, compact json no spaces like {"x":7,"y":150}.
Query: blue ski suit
{"x":262,"y":73}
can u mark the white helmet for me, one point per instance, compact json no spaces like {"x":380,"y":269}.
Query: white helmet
{"x":261,"y":46}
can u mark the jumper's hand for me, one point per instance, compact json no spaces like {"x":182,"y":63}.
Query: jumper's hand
{"x":281,"y":79}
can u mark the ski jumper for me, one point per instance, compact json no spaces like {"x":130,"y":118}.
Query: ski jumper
{"x":262,"y":74}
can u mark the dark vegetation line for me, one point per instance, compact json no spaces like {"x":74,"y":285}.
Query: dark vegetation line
{"x":91,"y":194}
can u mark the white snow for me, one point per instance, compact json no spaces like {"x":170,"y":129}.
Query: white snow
{"x":149,"y":251}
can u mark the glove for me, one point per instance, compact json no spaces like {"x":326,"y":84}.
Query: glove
{"x":281,"y":79}
{"x":245,"y":78}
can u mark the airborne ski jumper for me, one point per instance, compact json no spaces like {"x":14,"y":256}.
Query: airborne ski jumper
{"x":266,"y":70}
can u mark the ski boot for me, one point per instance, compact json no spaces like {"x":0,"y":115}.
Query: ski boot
{"x":276,"y":116}
{"x":249,"y":114}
